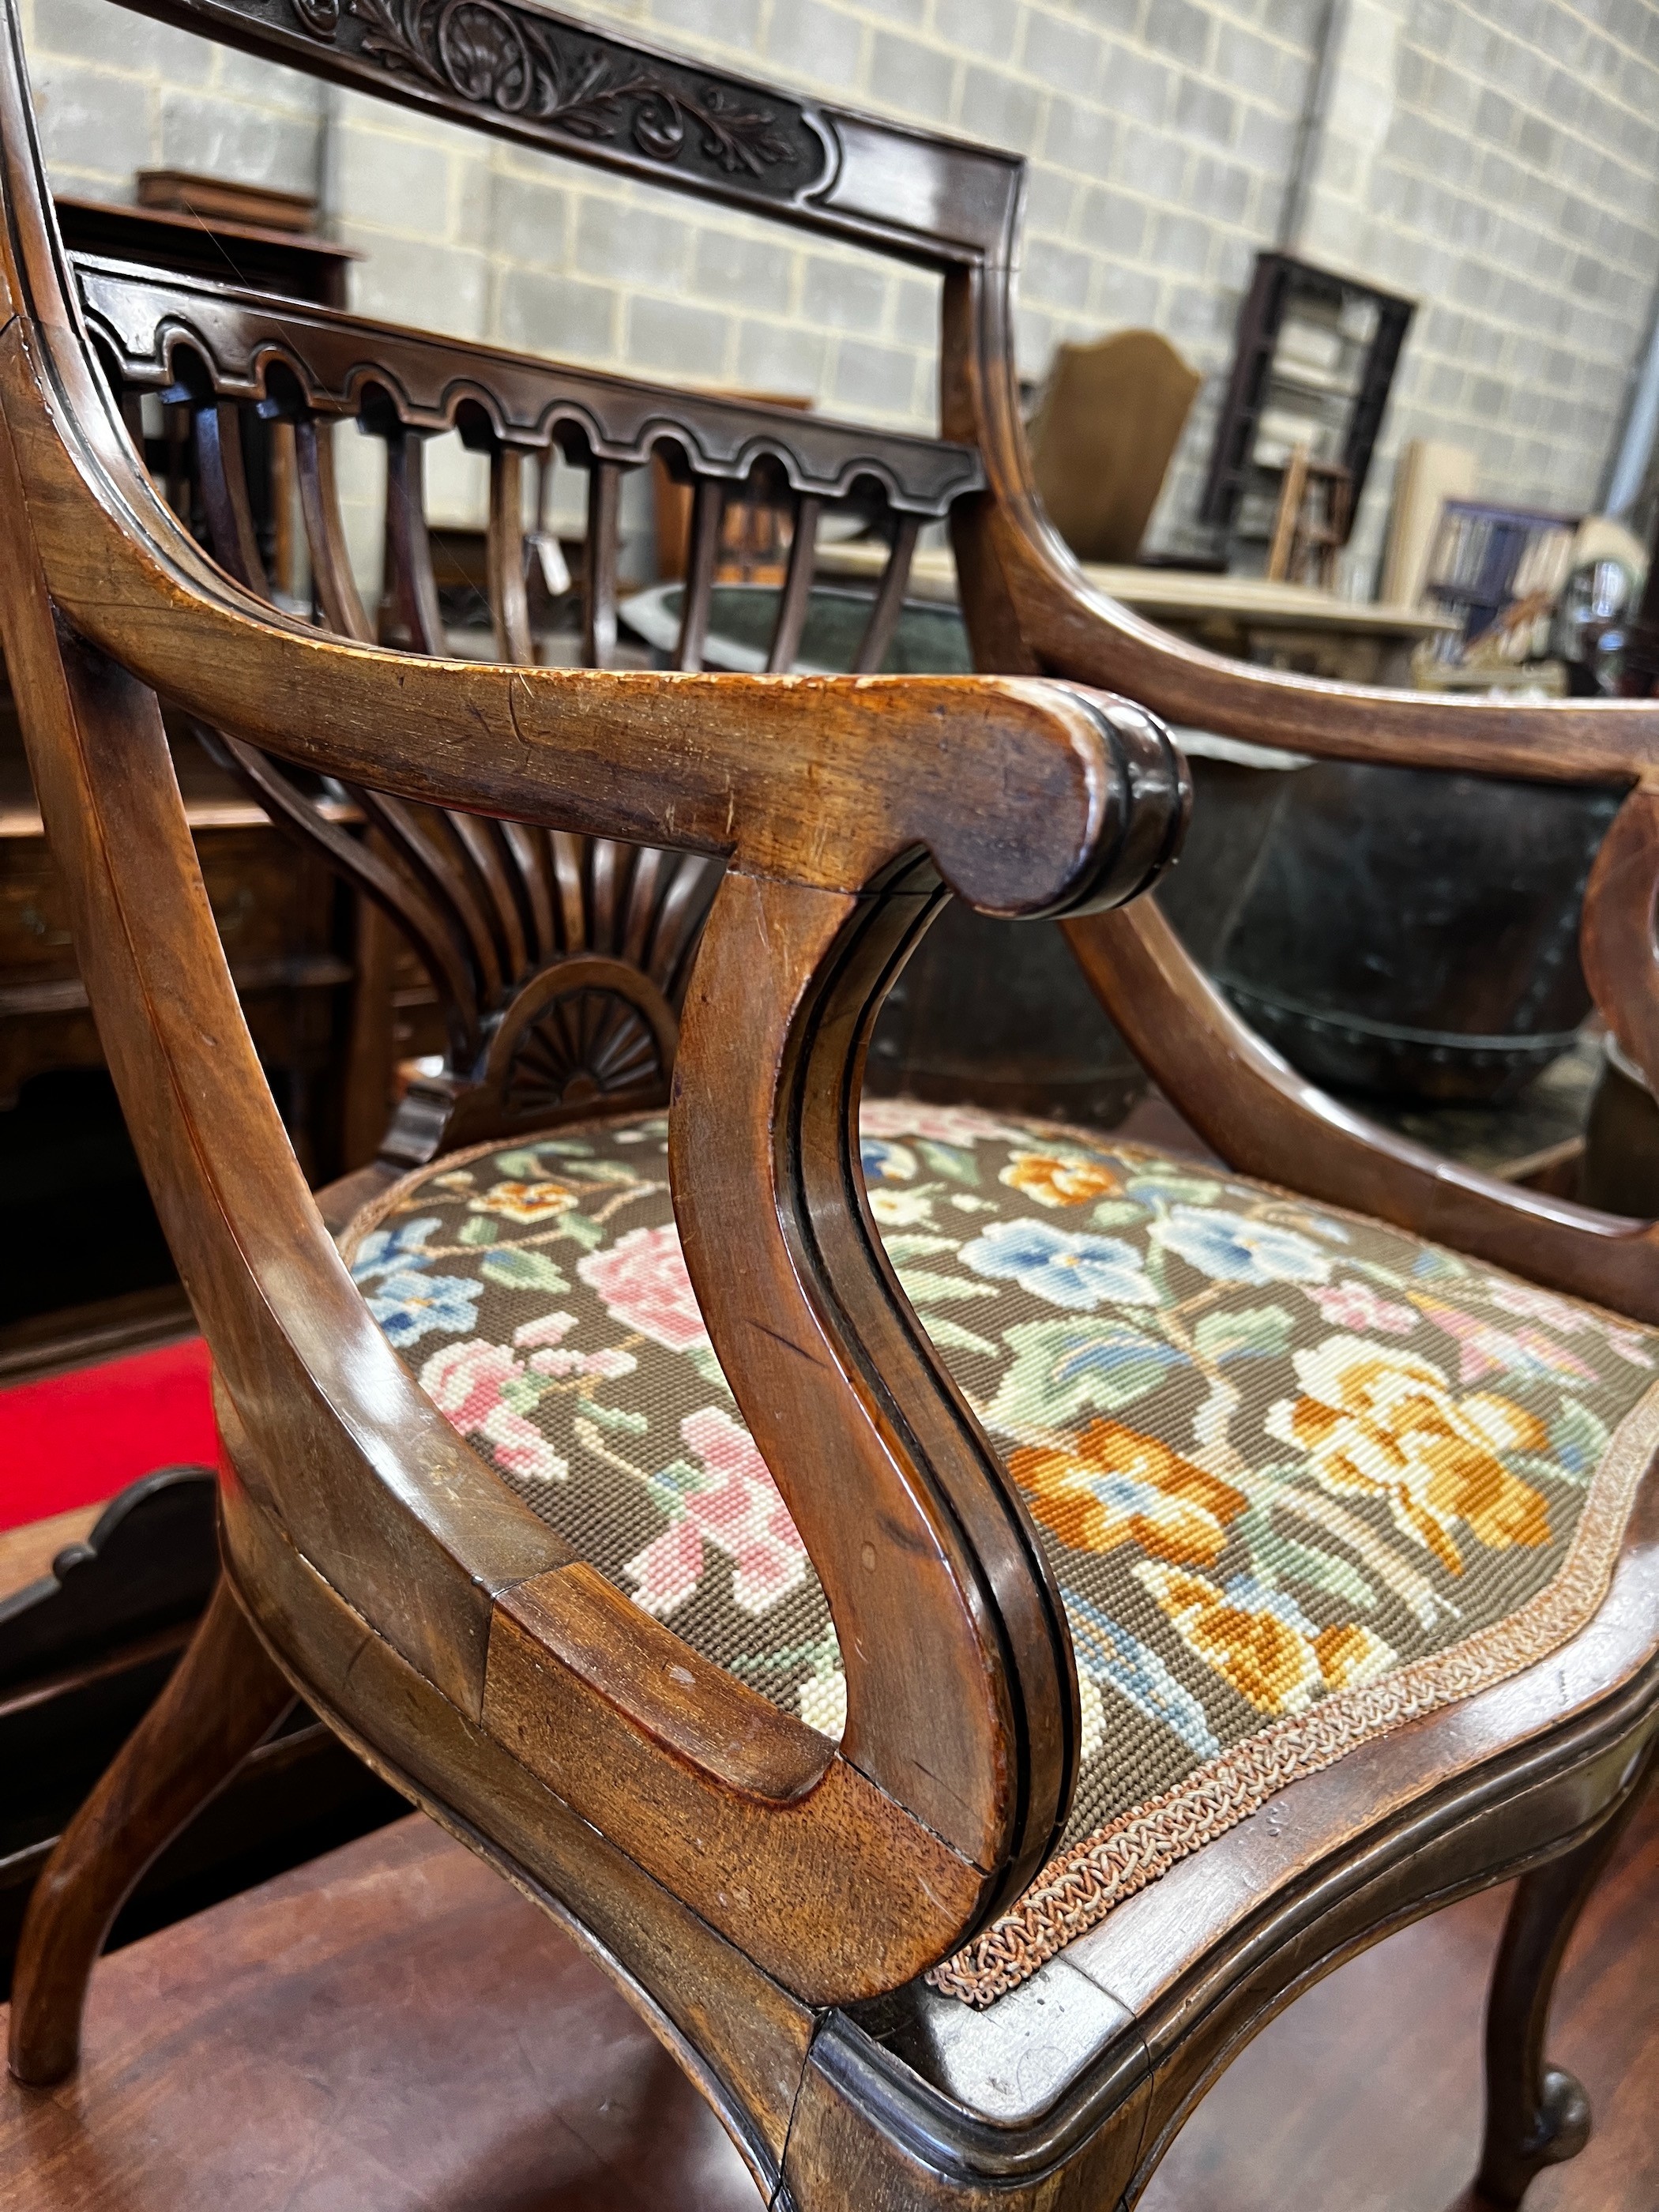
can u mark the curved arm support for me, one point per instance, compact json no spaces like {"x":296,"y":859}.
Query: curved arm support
{"x":1030,"y":607}
{"x":1264,"y":1119}
{"x":960,"y":1691}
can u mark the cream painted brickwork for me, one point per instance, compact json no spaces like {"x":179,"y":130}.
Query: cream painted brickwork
{"x":1495,"y":159}
{"x":1499,"y":160}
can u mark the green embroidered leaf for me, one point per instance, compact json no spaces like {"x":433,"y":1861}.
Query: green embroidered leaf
{"x":479,"y":1229}
{"x":923,"y":1289}
{"x":590,"y":1235}
{"x":1264,"y":1331}
{"x":678,"y":1479}
{"x":520,"y":1167}
{"x":902,"y":1249}
{"x":615,"y":1416}
{"x":1579,"y":1440}
{"x":598,"y":1171}
{"x":950,"y":1161}
{"x":952,"y":1336}
{"x":565,"y":1148}
{"x":1175,"y":1189}
{"x":1062,"y":1367}
{"x":516,"y":1269}
{"x":1279,"y":1559}
{"x":1117,"y":1213}
{"x":702,"y":1357}
{"x":524,"y":1393}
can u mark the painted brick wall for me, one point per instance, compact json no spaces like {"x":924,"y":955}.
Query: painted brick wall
{"x":1492,"y":156}
{"x":1499,"y":160}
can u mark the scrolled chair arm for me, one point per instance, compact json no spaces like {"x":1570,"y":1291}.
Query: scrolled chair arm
{"x":846,"y":811}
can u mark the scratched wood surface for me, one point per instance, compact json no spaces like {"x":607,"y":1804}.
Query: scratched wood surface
{"x":394,"y":2027}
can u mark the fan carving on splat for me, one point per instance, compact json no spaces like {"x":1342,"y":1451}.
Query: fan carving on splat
{"x":586,"y":1045}
{"x":588,"y":1032}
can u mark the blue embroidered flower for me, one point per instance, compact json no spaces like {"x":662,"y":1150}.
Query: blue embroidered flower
{"x":385,"y":1248}
{"x":1230,"y":1248}
{"x":409,"y":1305}
{"x":1064,"y":1268}
{"x":1107,"y":1652}
{"x":884,"y":1162}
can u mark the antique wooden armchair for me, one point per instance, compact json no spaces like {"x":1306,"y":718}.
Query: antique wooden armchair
{"x":770,"y":1889}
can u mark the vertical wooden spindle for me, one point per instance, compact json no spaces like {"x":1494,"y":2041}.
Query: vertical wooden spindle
{"x":797,"y":588}
{"x":509,"y":600}
{"x":604,"y":535}
{"x":410,"y":543}
{"x":702,"y":561}
{"x":889,"y":598}
{"x":222,"y":475}
{"x":331,"y":577}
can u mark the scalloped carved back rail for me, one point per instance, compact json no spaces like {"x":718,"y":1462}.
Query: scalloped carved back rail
{"x":560,"y":963}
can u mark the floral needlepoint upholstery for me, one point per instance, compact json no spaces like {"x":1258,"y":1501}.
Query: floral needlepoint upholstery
{"x":1302,"y":1477}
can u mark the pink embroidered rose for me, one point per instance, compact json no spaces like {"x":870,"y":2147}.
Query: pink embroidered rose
{"x":549,"y":1354}
{"x":1521,"y":1298}
{"x":1483,"y":1349}
{"x":738,"y":1511}
{"x":468,"y":1383}
{"x":667,"y":1571}
{"x":1356,"y":1306}
{"x":644,"y":1285}
{"x":941,"y":1125}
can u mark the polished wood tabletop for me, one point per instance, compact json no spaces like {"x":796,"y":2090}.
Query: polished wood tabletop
{"x":1172,"y":594}
{"x":393,"y":2027}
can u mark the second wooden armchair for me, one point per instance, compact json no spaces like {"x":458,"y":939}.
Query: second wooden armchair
{"x":861,"y":1575}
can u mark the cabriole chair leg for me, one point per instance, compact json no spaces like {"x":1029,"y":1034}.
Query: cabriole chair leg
{"x":1537,"y":2115}
{"x":223,"y":1699}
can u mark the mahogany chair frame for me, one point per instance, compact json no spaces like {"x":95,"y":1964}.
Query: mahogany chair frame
{"x":373,"y":1562}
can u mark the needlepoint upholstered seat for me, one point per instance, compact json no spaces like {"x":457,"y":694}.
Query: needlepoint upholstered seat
{"x":1301,"y":1477}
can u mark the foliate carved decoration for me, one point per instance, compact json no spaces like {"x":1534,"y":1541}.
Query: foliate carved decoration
{"x":522,"y":65}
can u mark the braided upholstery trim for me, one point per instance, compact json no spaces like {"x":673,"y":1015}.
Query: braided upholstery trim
{"x":1075,"y":1892}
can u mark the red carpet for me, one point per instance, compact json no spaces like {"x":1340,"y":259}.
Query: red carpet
{"x":77,"y":1439}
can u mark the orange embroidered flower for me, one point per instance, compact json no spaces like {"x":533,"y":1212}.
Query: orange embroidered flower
{"x":1261,"y":1642}
{"x":1384,"y":1423}
{"x":525,"y":1201}
{"x":1111,"y":1486}
{"x":1348,"y":1654}
{"x":1060,"y":1182}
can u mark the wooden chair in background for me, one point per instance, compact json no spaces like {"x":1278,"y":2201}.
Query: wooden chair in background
{"x":1310,"y":526}
{"x":1103,"y":435}
{"x":555,"y":841}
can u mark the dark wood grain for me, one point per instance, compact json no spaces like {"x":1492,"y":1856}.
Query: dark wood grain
{"x":356,"y":1970}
